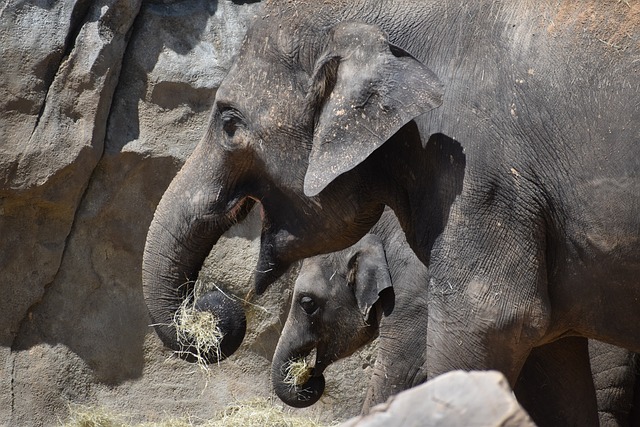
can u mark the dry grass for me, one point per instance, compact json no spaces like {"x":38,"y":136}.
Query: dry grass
{"x":256,"y":413}
{"x":297,"y":372}
{"x":197,"y":332}
{"x":89,"y":416}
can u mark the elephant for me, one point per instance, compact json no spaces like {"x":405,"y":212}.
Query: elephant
{"x":343,"y":300}
{"x":505,"y":136}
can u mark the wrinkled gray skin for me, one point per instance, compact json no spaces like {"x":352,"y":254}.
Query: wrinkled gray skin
{"x":512,"y":163}
{"x":343,"y":300}
{"x":615,"y":375}
{"x":375,"y":288}
{"x":337,"y":307}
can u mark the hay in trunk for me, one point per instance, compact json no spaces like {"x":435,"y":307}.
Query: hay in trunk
{"x":198,"y":332}
{"x":297,"y":372}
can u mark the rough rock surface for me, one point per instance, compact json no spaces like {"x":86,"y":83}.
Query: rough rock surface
{"x":453,"y":399}
{"x":100,"y":104}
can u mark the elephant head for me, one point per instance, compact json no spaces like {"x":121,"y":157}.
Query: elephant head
{"x":336,"y":307}
{"x":304,"y":106}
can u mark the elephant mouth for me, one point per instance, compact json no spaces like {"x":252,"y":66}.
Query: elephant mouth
{"x":270,"y":265}
{"x":301,"y":381}
{"x":275,"y":242}
{"x":321,"y":360}
{"x":308,"y":364}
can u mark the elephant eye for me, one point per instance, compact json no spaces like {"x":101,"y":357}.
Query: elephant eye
{"x":308,"y":304}
{"x":231,"y":120}
{"x":229,"y":124}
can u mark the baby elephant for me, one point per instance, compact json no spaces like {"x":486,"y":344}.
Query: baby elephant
{"x":342,"y":301}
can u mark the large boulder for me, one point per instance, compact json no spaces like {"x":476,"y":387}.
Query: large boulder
{"x":457,"y":398}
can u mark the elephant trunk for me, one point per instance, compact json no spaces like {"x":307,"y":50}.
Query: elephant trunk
{"x":298,"y":389}
{"x":186,"y":225}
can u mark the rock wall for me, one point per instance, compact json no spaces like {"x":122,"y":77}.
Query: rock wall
{"x":101,"y":101}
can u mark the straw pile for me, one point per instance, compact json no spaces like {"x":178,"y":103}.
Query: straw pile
{"x":257,"y":413}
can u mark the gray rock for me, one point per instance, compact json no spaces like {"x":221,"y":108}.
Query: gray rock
{"x":457,"y":398}
{"x":60,"y":65}
{"x":56,"y":103}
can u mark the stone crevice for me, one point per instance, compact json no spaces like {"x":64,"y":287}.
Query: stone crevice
{"x":17,"y":343}
{"x":12,"y":361}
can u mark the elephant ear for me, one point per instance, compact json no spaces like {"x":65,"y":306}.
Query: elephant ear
{"x":368,"y":272}
{"x":363,"y":90}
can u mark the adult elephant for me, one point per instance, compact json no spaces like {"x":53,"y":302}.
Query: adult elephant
{"x":520,"y":192}
{"x":375,"y":288}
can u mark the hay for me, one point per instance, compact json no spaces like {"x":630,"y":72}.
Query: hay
{"x":255,"y":413}
{"x":297,"y":372}
{"x":259,"y":413}
{"x":89,"y":416}
{"x":197,"y":332}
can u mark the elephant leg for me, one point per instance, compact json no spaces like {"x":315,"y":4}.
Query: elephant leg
{"x":614,"y":376}
{"x":488,"y":294}
{"x":485,"y":326}
{"x":555,"y":384}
